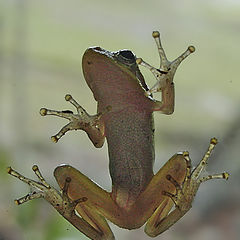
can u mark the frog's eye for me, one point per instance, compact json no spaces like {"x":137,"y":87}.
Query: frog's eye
{"x":127,"y":55}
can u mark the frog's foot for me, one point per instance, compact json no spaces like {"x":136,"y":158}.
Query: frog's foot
{"x":82,"y":120}
{"x":59,"y":200}
{"x":167,"y":69}
{"x":187,"y":191}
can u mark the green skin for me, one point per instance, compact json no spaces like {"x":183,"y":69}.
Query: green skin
{"x":125,"y":107}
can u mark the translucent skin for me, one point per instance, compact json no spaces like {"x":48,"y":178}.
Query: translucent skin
{"x":124,"y":117}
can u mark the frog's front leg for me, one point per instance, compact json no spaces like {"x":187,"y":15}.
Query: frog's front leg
{"x":91,"y":124}
{"x":161,"y":220}
{"x":164,"y":76}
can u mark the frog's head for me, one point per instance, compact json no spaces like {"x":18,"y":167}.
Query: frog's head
{"x":124,"y":57}
{"x":101,"y":65}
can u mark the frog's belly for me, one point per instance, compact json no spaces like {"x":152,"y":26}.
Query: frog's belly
{"x":131,"y":155}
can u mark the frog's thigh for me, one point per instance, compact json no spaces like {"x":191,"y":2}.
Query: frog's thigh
{"x":99,"y":204}
{"x":89,"y":214}
{"x":153,"y":202}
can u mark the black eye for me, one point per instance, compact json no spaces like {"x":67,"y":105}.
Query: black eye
{"x":127,"y":54}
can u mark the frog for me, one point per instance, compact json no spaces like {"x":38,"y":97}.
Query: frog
{"x":125,"y":107}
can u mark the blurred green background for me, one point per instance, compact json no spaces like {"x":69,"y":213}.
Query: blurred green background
{"x":41,"y":46}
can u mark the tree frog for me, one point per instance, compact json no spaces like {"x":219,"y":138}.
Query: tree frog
{"x":125,"y":118}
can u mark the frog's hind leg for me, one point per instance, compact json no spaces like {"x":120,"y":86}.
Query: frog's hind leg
{"x":64,"y":205}
{"x":183,"y":197}
{"x":171,"y":176}
{"x":153,"y":205}
{"x":99,"y":204}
